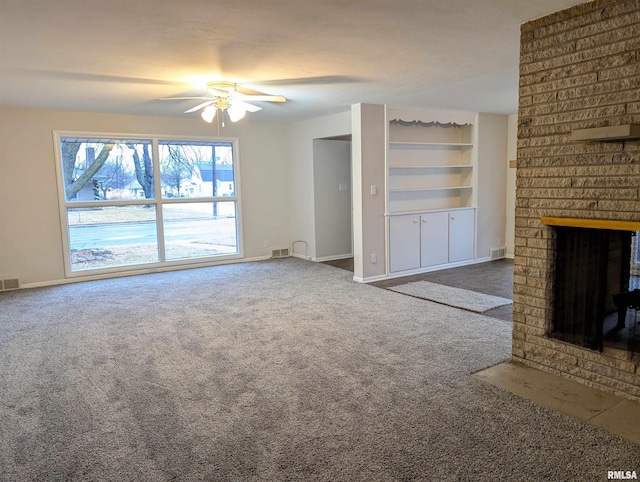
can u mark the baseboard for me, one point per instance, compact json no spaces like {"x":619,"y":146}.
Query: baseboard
{"x":509,"y":256}
{"x":370,"y":279}
{"x":322,"y":259}
{"x":479,"y":260}
{"x":402,"y":274}
{"x":440,"y":267}
{"x":302,"y":256}
{"x":122,"y":274}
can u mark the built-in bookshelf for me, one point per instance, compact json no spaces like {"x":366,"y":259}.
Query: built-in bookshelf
{"x":430,"y":188}
{"x":430,"y":165}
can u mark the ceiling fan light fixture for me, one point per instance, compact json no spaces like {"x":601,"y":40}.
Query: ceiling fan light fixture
{"x":225,"y":100}
{"x":221,"y":88}
{"x":209,"y":113}
{"x":236,"y":113}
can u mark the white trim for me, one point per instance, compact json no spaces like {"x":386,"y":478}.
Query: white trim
{"x":322,"y":259}
{"x":387,"y":196}
{"x":422,"y":211}
{"x":370,"y":279}
{"x":509,"y":256}
{"x":159,"y":269}
{"x":157,"y":189}
{"x":62,"y":208}
{"x":410,"y":113}
{"x":152,"y":267}
{"x":440,"y":267}
{"x":237,"y":186}
{"x":302,"y":256}
{"x":141,"y":136}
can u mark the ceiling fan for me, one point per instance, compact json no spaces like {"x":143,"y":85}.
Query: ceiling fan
{"x":226,"y":97}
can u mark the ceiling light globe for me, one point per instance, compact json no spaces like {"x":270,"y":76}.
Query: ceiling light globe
{"x":208,"y":114}
{"x":236,"y":113}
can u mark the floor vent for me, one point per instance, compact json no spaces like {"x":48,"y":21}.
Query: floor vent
{"x":280,"y":253}
{"x":9,"y":284}
{"x":497,"y":253}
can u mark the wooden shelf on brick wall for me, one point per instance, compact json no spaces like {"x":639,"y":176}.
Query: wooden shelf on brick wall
{"x":592,"y":223}
{"x":607,"y":134}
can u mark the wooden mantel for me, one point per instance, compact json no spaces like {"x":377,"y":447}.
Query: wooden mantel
{"x":591,"y":223}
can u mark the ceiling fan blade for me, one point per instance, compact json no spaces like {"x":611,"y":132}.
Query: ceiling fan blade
{"x":200,"y":106}
{"x":320,"y":80}
{"x":246,"y":106}
{"x":185,"y":98}
{"x":260,"y":98}
{"x":96,"y":77}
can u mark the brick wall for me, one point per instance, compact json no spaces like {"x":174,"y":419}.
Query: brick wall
{"x":579,"y":68}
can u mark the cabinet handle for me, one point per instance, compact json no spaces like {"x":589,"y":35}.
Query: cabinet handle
{"x":424,"y":220}
{"x":415,"y":221}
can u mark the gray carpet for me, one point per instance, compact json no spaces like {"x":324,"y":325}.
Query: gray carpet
{"x":451,"y":296}
{"x":280,"y":370}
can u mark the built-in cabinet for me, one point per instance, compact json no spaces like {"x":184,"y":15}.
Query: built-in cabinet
{"x":430,"y":239}
{"x":431,"y":188}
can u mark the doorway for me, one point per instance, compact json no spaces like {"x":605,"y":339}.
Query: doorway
{"x":333,"y":206}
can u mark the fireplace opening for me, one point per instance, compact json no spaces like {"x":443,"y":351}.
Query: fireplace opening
{"x":596,"y":275}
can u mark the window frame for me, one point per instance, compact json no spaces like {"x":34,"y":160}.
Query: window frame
{"x":158,"y":202}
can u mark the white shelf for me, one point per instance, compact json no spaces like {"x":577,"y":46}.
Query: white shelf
{"x":439,"y":166}
{"x":404,"y":213}
{"x":430,"y":167}
{"x":443,"y":188}
{"x":418,"y":145}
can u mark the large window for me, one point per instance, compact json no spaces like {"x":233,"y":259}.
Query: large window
{"x":128,"y":203}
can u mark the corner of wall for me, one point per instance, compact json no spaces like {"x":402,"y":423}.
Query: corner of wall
{"x":512,"y":141}
{"x":492,"y":159}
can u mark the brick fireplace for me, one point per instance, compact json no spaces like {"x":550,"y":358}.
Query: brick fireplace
{"x":579,"y":73}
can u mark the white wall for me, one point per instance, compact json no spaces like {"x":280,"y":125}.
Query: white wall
{"x":331,"y":169}
{"x":492,"y":182}
{"x":300,"y":136}
{"x":511,"y":185}
{"x":30,"y":232}
{"x":277,"y":169}
{"x":368,"y":169}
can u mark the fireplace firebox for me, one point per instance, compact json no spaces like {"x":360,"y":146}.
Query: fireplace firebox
{"x":595,"y":296}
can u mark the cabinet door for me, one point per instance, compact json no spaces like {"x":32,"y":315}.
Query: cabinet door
{"x":461,"y":228}
{"x":434,"y":238}
{"x":404,"y":242}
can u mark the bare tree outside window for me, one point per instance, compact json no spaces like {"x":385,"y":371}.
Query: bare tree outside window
{"x":143,"y":169}
{"x":78,"y":171}
{"x":115,"y":176}
{"x":178,"y":166}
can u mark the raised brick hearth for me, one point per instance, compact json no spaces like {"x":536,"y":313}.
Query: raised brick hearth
{"x":580,"y":69}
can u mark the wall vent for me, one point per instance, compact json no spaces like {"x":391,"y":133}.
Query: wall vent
{"x":9,"y":284}
{"x":280,"y":253}
{"x":497,"y":253}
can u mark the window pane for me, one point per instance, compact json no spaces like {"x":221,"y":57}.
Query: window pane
{"x":106,"y":169}
{"x":196,"y":230}
{"x":103,"y":237}
{"x":196,"y":169}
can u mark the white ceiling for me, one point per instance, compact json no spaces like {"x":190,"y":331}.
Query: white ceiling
{"x":323,"y":55}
